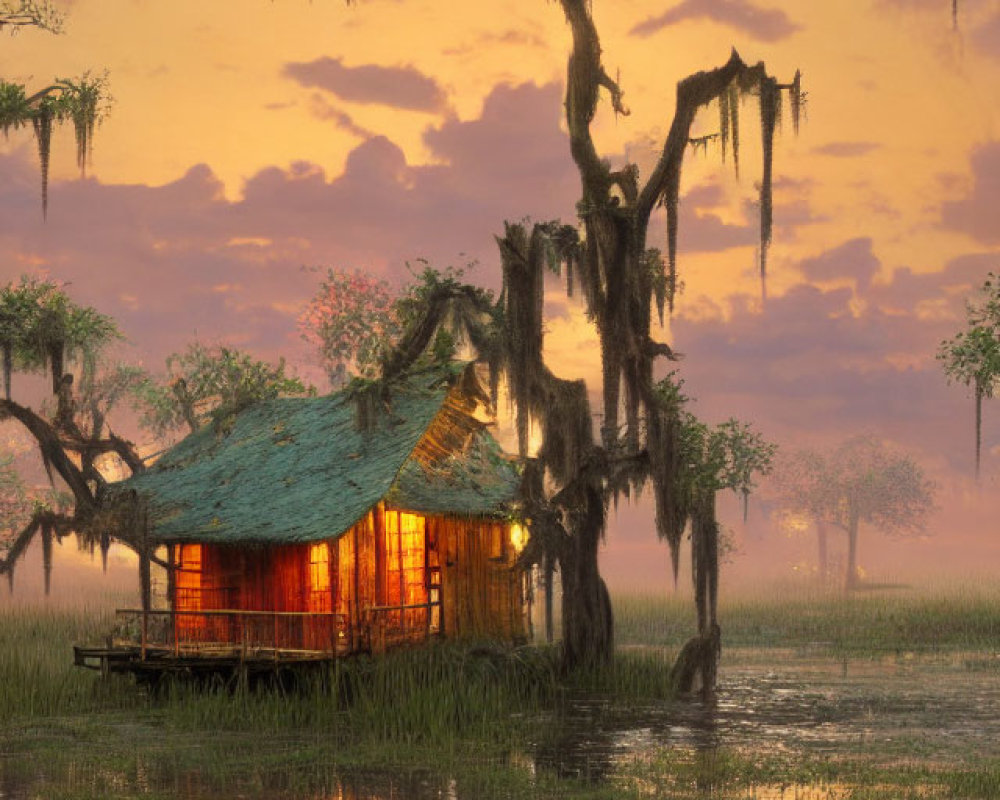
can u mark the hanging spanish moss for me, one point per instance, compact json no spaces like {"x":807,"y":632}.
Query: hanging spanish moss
{"x":770,"y":113}
{"x":733,"y":103}
{"x":796,"y":100}
{"x":85,"y":98}
{"x":83,"y":101}
{"x":724,"y":122}
{"x":42,"y":124}
{"x":619,"y":290}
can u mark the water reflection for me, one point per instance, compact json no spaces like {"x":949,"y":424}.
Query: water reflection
{"x":281,"y":784}
{"x":896,"y":705}
{"x":890,"y":709}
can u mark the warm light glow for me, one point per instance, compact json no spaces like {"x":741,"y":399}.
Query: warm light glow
{"x":518,"y":537}
{"x":320,"y":597}
{"x":188,"y":577}
{"x":791,"y":523}
{"x":405,"y":555}
{"x":319,"y":567}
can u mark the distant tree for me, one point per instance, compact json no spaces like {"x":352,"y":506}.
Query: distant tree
{"x":797,"y":483}
{"x":211,"y":385}
{"x":972,"y":356}
{"x":861,"y":481}
{"x":84,"y":101}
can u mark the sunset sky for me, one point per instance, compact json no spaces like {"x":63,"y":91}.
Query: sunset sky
{"x":253,"y":143}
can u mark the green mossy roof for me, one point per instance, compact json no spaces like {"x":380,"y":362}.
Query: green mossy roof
{"x":298,"y":470}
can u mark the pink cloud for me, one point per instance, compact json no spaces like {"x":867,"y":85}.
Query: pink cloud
{"x":976,"y":213}
{"x":765,"y":24}
{"x":853,"y":259}
{"x":399,"y":87}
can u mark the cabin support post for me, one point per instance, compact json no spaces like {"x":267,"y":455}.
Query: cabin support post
{"x":144,"y":581}
{"x":144,"y":592}
{"x":172,"y":552}
{"x":356,"y":602}
{"x":549,"y":572}
{"x":333,"y":565}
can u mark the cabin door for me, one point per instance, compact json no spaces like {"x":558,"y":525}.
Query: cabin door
{"x":407,"y":588}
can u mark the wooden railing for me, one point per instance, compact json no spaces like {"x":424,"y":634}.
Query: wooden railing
{"x":391,"y":625}
{"x":237,"y":632}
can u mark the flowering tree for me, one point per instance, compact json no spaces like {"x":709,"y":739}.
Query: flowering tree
{"x":350,"y":320}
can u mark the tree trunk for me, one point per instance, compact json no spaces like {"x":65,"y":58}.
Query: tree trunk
{"x":851,"y":581}
{"x":979,"y":426}
{"x":8,"y":367}
{"x":588,"y":630}
{"x":700,"y":655}
{"x":47,"y":556}
{"x":56,"y":357}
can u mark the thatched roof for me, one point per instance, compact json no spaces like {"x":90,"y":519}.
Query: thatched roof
{"x":299,"y":469}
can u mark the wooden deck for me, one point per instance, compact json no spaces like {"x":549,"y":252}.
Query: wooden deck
{"x":238,"y":644}
{"x":203,"y":661}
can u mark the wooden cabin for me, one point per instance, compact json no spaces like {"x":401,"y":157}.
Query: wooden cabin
{"x":296,"y":531}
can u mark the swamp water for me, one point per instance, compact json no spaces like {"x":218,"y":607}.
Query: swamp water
{"x":785,"y":724}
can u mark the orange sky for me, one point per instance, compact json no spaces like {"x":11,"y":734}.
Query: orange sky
{"x":249,"y":138}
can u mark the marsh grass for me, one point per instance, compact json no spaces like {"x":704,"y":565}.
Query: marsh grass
{"x":875,"y":622}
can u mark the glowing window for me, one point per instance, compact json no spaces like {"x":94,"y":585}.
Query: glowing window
{"x":320,"y":599}
{"x":187,"y":577}
{"x":319,"y":567}
{"x":518,"y":537}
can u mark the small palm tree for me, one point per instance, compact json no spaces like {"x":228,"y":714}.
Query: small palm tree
{"x":972,"y":357}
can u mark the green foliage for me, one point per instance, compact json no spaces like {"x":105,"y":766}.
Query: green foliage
{"x":30,"y":13}
{"x":428,"y":281}
{"x":725,"y":456}
{"x":211,"y":384}
{"x":41,"y":326}
{"x":972,"y":357}
{"x":84,"y":101}
{"x":14,"y":500}
{"x":103,"y":388}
